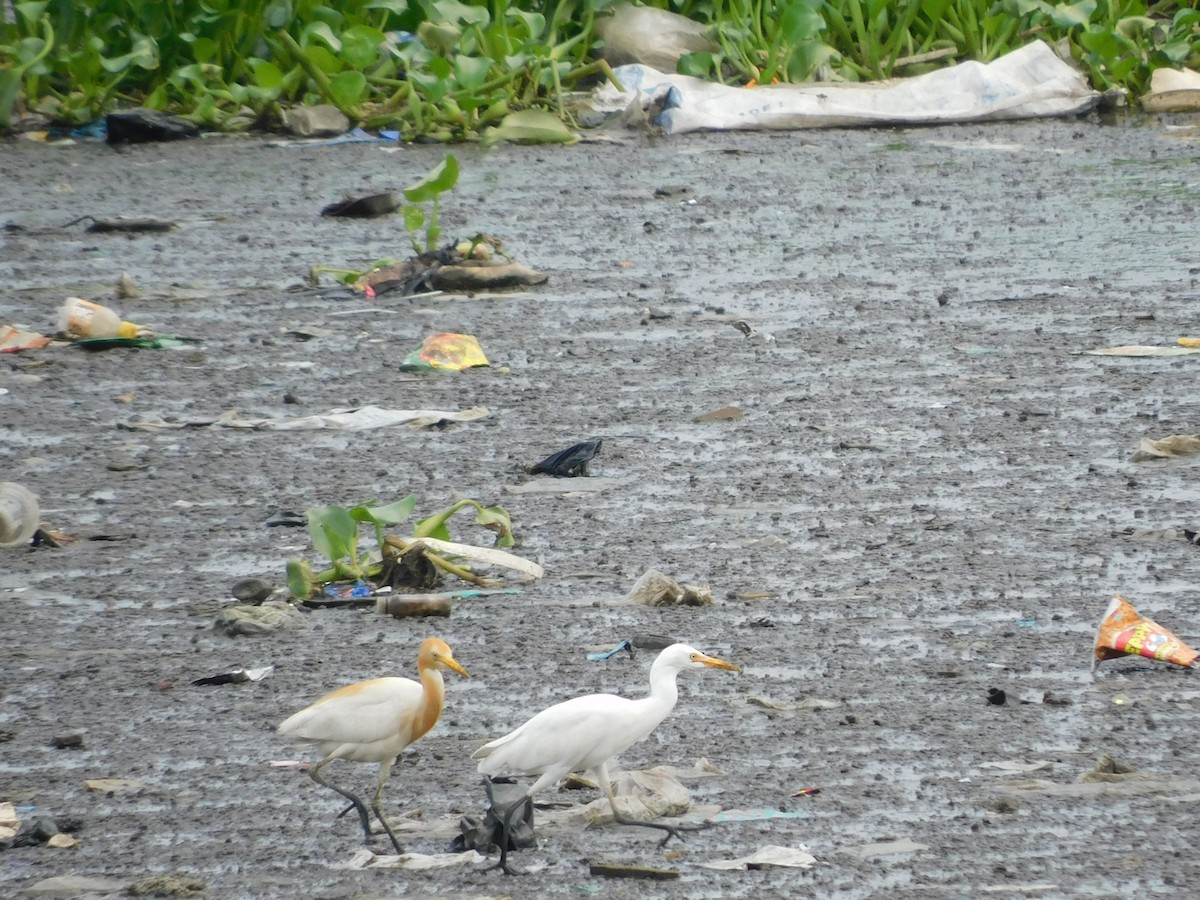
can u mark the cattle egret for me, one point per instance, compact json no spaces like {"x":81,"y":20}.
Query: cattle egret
{"x":373,"y":721}
{"x":585,"y":733}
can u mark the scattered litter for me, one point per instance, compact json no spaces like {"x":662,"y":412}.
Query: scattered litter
{"x":770,"y":855}
{"x":368,"y":207}
{"x":996,"y":697}
{"x":75,"y":885}
{"x":569,"y":463}
{"x":285,"y":518}
{"x":598,"y":655}
{"x":322,"y":120}
{"x":251,"y":590}
{"x":624,"y":870}
{"x":1140,"y":350}
{"x":724,"y":414}
{"x":1026,"y":83}
{"x":483,"y":833}
{"x":475,"y":264}
{"x":61,"y":841}
{"x":1028,"y":887}
{"x":20,"y":514}
{"x":402,"y":607}
{"x":1173,"y":446}
{"x":654,"y":37}
{"x":1124,"y":632}
{"x":416,"y":862}
{"x":362,"y":418}
{"x":240,"y":676}
{"x":125,"y":225}
{"x":885,"y":848}
{"x":447,"y":351}
{"x":13,"y":339}
{"x":248,"y":619}
{"x":141,"y":126}
{"x":1110,"y":777}
{"x":589,"y":485}
{"x":530,"y":126}
{"x":654,"y":588}
{"x":1016,"y":767}
{"x":155,"y":342}
{"x":79,"y":318}
{"x":809,"y":704}
{"x":373,"y":598}
{"x":1109,"y":769}
{"x":108,"y":785}
{"x":761,"y":814}
{"x":807,"y":792}
{"x":752,"y":334}
{"x":1172,"y":90}
{"x":169,"y":885}
{"x":474,"y":276}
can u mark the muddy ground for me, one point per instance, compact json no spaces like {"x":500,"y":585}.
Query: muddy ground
{"x":925,"y":498}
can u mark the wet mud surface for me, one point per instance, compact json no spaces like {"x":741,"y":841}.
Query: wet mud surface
{"x":925,"y":498}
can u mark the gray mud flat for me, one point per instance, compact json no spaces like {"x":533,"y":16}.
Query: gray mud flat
{"x":925,"y":498}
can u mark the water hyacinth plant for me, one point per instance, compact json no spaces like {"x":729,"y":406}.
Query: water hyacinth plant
{"x":447,"y":70}
{"x":419,"y":559}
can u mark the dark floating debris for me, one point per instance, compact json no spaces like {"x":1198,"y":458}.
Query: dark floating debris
{"x":569,"y":463}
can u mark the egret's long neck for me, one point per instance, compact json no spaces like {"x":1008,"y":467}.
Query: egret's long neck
{"x":663,"y":690}
{"x":432,"y":699}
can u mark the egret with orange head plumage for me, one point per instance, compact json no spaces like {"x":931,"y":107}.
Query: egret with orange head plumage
{"x":373,"y":721}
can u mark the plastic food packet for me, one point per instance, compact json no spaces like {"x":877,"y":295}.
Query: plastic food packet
{"x":447,"y":351}
{"x":1123,"y":632}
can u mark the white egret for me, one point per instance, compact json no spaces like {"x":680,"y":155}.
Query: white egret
{"x":373,"y":721}
{"x":584,"y":733}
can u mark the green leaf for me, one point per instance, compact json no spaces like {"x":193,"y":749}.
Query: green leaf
{"x":698,"y":65}
{"x":453,"y":11}
{"x":321,"y":32}
{"x":392,"y":514}
{"x":361,"y":45}
{"x":267,"y":75}
{"x":1075,"y":15}
{"x":471,"y":71}
{"x":443,"y":177}
{"x":334,"y":533}
{"x":30,"y":12}
{"x":497,"y":519}
{"x":535,"y":23}
{"x":300,"y":579}
{"x":347,"y":88}
{"x":204,"y":50}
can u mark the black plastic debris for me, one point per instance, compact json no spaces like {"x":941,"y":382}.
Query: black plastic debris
{"x":285,"y":518}
{"x":481,"y":834}
{"x":569,"y":463}
{"x":144,"y":126}
{"x":364,"y":207}
{"x":996,"y":697}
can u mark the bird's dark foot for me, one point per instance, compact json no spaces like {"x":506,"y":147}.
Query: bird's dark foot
{"x":676,"y":831}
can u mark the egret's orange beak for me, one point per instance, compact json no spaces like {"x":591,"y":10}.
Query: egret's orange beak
{"x":716,"y":663}
{"x":451,"y":663}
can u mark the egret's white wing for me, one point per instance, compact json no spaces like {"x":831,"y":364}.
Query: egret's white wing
{"x":574,"y":735}
{"x":360,"y":713}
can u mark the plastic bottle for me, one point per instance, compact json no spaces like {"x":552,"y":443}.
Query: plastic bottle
{"x":81,"y":318}
{"x":20,"y":515}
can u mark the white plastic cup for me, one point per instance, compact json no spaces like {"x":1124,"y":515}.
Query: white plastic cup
{"x":20,"y":515}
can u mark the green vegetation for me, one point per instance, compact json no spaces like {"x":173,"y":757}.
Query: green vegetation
{"x":447,"y":70}
{"x":419,"y":560}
